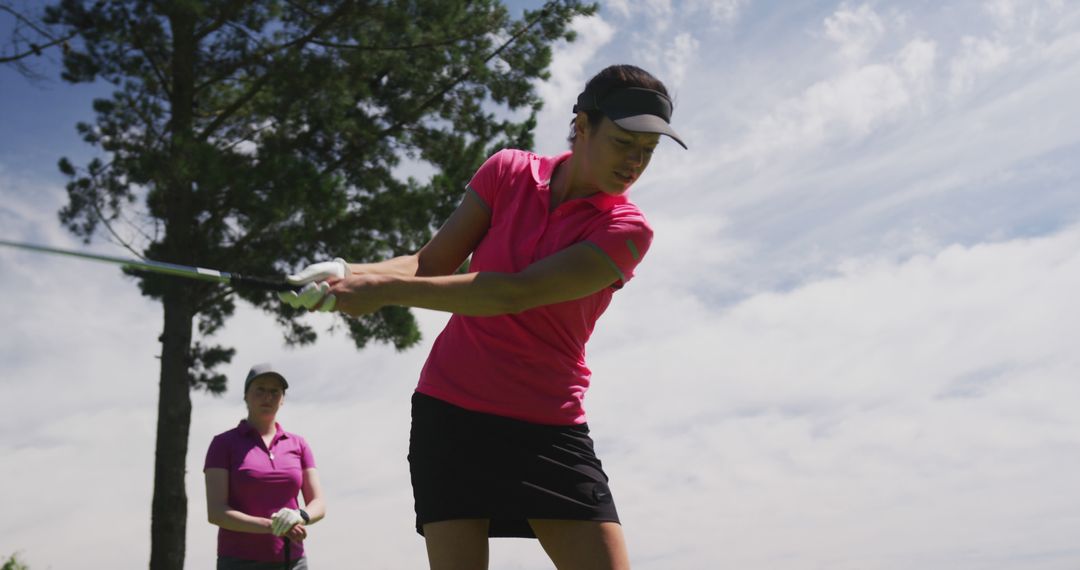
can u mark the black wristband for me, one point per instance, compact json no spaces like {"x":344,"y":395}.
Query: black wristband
{"x":305,"y":516}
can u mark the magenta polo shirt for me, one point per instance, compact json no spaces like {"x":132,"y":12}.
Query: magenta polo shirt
{"x":261,"y":481}
{"x":531,"y":365}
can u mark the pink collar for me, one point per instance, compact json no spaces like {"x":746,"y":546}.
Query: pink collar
{"x":247,"y":429}
{"x":544,"y":166}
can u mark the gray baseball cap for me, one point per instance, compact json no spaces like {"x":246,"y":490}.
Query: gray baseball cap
{"x":263,"y":369}
{"x":634,"y":109}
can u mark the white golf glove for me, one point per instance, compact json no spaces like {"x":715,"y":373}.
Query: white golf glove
{"x":283,"y":521}
{"x":314,"y":277}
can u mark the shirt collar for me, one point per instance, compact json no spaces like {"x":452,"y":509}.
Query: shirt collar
{"x":605,"y":202}
{"x":247,"y":429}
{"x":543,"y":168}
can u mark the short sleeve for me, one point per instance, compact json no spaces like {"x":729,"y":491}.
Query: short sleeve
{"x":217,"y":456}
{"x":488,"y":179}
{"x":307,"y":458}
{"x":624,"y":239}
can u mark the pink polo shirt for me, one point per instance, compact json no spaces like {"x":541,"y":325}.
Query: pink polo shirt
{"x":531,"y":365}
{"x":261,"y":481}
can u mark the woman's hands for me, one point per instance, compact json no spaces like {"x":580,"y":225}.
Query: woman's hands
{"x":315,"y":295}
{"x":331,"y":285}
{"x":297,"y":533}
{"x":284,"y":520}
{"x":288,"y":523}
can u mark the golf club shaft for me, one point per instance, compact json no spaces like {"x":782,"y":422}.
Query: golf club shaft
{"x":185,"y":271}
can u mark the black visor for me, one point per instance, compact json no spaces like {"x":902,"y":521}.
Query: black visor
{"x":634,"y":109}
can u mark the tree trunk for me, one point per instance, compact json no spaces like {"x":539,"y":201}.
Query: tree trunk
{"x":169,"y":511}
{"x":169,"y":515}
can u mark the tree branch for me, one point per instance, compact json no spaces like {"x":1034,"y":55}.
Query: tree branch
{"x":150,"y":59}
{"x":431,"y":44}
{"x":35,"y":49}
{"x":465,"y":75}
{"x":105,"y":221}
{"x":27,"y":21}
{"x":18,"y":39}
{"x":446,"y":89}
{"x":259,"y":83}
{"x":235,"y":106}
{"x":222,"y":19}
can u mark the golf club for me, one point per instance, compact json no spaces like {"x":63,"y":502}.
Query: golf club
{"x":185,"y":271}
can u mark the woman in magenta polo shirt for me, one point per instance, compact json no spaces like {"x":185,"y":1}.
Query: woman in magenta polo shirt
{"x":499,"y":444}
{"x":253,"y":475}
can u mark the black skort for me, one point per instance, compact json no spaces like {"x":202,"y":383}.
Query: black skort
{"x":470,"y":465}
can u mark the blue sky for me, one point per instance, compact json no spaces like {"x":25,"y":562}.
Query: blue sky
{"x":852,"y":344}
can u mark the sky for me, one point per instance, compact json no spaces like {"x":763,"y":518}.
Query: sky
{"x":851,"y":345}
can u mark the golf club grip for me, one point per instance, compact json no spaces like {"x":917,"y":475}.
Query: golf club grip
{"x":263,"y":283}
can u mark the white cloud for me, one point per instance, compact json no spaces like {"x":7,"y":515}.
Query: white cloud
{"x":677,"y":59}
{"x":887,"y":88}
{"x":857,"y":30}
{"x":1011,"y":16}
{"x":849,"y":106}
{"x":854,"y":101}
{"x":977,"y":57}
{"x":887,"y":331}
{"x":722,"y":12}
{"x":621,"y":8}
{"x":1003,"y":12}
{"x":662,"y":15}
{"x":657,"y":8}
{"x":29,"y":210}
{"x":916,"y":60}
{"x":657,"y":13}
{"x":1020,"y":34}
{"x":948,"y":376}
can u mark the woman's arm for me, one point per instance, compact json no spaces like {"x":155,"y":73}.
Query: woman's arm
{"x":427,"y":280}
{"x":446,"y":251}
{"x":219,"y":512}
{"x":572,"y":273}
{"x":314,"y":503}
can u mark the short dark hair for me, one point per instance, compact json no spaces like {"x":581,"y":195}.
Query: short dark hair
{"x":616,"y":77}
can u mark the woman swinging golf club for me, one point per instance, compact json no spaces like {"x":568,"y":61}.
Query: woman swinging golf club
{"x":499,"y":444}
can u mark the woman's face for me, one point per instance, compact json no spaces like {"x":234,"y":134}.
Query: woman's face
{"x":616,"y":157}
{"x":264,"y":397}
